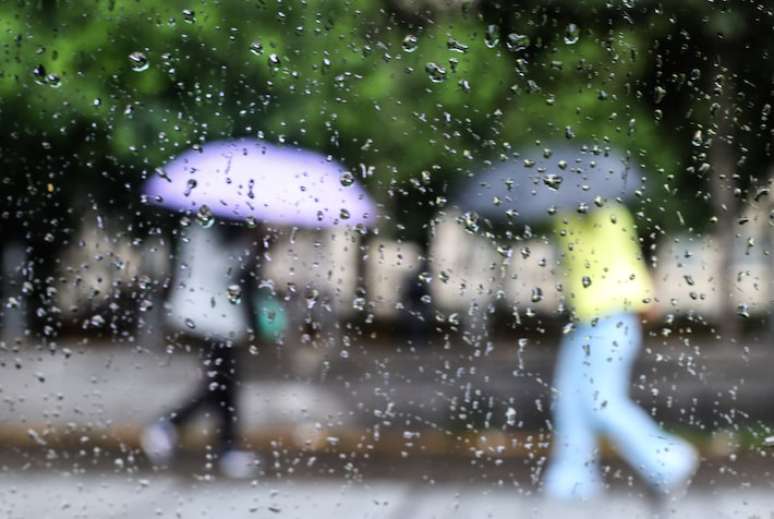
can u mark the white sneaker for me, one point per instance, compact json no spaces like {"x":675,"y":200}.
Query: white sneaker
{"x":158,"y":441}
{"x":683,"y":462}
{"x":238,"y":464}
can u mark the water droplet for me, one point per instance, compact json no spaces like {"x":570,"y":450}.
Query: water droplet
{"x":510,"y":416}
{"x":347,"y":179}
{"x":256,"y":48}
{"x":53,"y":80}
{"x":517,"y":42}
{"x":138,"y":61}
{"x":571,"y":34}
{"x":697,"y":139}
{"x":660,"y":92}
{"x":144,"y":282}
{"x":274,"y":60}
{"x":97,"y":321}
{"x":456,"y":46}
{"x":190,"y":323}
{"x":537,"y":295}
{"x":586,"y":281}
{"x":436,"y":72}
{"x":552,"y":181}
{"x":469,"y":222}
{"x":312,"y":295}
{"x":410,"y":43}
{"x":189,"y":16}
{"x":189,"y":186}
{"x":205,"y":217}
{"x":39,"y":73}
{"x":492,"y":36}
{"x":234,"y":294}
{"x":344,"y":214}
{"x":743,"y":311}
{"x":251,"y":222}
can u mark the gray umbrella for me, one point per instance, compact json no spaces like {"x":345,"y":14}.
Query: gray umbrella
{"x":559,"y":178}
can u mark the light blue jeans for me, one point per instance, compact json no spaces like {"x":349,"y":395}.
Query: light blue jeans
{"x":592,"y":381}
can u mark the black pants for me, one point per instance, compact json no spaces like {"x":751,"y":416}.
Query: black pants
{"x":218,"y":391}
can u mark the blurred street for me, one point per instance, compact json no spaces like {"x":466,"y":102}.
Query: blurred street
{"x":109,"y":495}
{"x":379,"y":399}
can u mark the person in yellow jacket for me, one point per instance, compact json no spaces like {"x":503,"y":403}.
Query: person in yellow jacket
{"x":607,"y":286}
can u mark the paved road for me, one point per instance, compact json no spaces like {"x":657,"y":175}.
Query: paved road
{"x":102,"y":494}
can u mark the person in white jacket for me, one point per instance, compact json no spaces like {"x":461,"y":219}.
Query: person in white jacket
{"x":212,"y":267}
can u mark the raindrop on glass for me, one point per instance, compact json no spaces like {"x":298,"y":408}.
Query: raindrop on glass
{"x":410,"y":43}
{"x":492,"y":36}
{"x":234,"y":294}
{"x":455,"y":45}
{"x":517,"y":42}
{"x":510,"y":416}
{"x":256,"y":48}
{"x":552,"y":181}
{"x":435,"y":72}
{"x":189,"y":186}
{"x":571,"y":34}
{"x":138,"y":61}
{"x":189,"y":16}
{"x":205,"y":217}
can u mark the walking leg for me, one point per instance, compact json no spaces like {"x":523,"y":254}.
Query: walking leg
{"x":573,"y":471}
{"x":661,"y":458}
{"x":224,"y":386}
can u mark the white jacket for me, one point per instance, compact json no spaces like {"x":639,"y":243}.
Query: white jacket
{"x":206,"y":265}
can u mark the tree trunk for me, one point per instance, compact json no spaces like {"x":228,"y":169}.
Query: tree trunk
{"x":722,"y":183}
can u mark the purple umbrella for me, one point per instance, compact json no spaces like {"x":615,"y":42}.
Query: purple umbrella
{"x":247,"y":178}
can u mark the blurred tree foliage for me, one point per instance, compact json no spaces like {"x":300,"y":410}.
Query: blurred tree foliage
{"x":413,"y":97}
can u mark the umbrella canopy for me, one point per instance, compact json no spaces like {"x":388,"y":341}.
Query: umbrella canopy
{"x":247,"y":178}
{"x":562,"y":179}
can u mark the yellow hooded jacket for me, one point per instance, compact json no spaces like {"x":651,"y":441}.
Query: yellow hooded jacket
{"x":604,"y":272}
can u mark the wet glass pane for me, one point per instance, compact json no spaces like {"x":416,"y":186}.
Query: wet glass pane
{"x":385,"y":258}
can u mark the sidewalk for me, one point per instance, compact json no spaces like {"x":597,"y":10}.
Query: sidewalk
{"x":130,"y":496}
{"x":385,"y":401}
